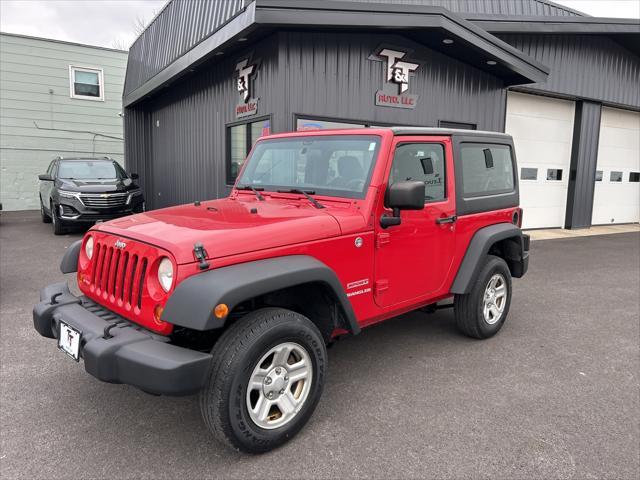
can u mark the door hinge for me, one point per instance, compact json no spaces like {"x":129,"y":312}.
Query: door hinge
{"x":383,"y":239}
{"x":380,"y":286}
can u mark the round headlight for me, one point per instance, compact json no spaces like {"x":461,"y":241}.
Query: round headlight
{"x":88,"y":247}
{"x":165,"y":274}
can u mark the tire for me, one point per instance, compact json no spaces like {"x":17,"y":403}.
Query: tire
{"x":45,"y":218}
{"x":471,"y":317}
{"x":58,"y":226}
{"x":244,"y":351}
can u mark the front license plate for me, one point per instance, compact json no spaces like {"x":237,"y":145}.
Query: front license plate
{"x":69,"y":341}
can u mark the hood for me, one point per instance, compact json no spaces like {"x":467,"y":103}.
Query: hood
{"x":227,"y":226}
{"x":96,"y":186}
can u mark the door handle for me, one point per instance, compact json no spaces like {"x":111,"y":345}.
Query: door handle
{"x":450,"y":219}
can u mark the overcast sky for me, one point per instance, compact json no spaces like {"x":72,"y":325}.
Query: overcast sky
{"x":110,"y":23}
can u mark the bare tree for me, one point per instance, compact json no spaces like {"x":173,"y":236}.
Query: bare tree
{"x":139,"y":26}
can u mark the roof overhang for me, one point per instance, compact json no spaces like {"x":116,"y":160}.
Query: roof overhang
{"x":526,"y":24}
{"x":425,"y":25}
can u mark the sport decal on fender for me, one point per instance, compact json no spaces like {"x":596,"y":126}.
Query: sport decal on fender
{"x":358,"y":283}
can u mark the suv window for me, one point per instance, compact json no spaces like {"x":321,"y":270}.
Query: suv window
{"x":424,"y":162}
{"x":487,"y":169}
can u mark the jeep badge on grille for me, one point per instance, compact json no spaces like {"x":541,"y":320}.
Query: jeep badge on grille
{"x":120,"y":244}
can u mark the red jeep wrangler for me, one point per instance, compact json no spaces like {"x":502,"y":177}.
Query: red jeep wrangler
{"x":324,"y":233}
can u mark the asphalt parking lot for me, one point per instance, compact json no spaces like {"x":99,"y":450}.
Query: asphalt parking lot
{"x":555,"y":395}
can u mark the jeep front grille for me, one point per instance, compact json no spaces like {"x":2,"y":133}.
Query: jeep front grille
{"x":118,"y":276}
{"x":104,"y":200}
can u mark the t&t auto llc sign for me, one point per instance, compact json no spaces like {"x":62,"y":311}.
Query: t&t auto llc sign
{"x":248,"y":106}
{"x":397,"y":75}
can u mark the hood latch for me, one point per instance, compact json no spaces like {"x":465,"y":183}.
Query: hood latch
{"x":201,"y":255}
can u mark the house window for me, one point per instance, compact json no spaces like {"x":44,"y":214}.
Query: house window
{"x":598,"y":175}
{"x":240,"y":140}
{"x":457,"y":125}
{"x":634,"y":177}
{"x":86,"y":83}
{"x":615,"y":177}
{"x":305,"y":124}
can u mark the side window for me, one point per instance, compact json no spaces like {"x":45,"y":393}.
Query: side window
{"x":424,"y":162}
{"x":487,"y":169}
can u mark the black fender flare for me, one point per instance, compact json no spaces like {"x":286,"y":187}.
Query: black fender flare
{"x":192,"y":303}
{"x":69,"y":263}
{"x":478,"y":249}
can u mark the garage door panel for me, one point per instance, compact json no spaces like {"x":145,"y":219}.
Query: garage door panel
{"x":619,"y":151}
{"x":542,"y":130}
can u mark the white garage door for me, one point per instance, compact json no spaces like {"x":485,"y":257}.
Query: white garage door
{"x":617,"y":192}
{"x":542,"y":130}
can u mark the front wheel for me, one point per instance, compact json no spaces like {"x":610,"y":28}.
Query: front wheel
{"x":58,"y":226}
{"x":482,"y":312}
{"x":266,"y":378}
{"x":45,"y":218}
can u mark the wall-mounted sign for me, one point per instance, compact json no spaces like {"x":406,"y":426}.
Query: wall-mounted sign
{"x":248,"y":105}
{"x":397,"y":75}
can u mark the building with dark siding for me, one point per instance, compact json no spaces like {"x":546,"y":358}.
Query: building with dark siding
{"x":206,"y":79}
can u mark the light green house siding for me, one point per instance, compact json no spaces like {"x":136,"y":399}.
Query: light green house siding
{"x":38,"y":118}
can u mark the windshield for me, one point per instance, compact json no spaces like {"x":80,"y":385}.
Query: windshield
{"x":332,"y":165}
{"x":91,"y":170}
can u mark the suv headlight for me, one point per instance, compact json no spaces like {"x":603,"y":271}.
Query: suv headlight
{"x":68,"y":194}
{"x":165,"y":274}
{"x":133,"y":194}
{"x":88,"y":248}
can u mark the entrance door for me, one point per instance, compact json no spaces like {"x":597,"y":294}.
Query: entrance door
{"x":413,"y":259}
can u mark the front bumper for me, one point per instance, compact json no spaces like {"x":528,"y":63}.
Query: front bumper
{"x":72,"y":210}
{"x":126,"y":353}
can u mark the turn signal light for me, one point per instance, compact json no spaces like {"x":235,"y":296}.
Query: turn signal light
{"x":157,"y":313}
{"x":221,"y":310}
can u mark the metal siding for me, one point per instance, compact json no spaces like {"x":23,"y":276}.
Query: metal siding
{"x":301,"y":73}
{"x":187,"y":149}
{"x":448,"y":89}
{"x":591,"y":67}
{"x":584,"y":157}
{"x":179,"y":27}
{"x":491,"y":7}
{"x":183,"y":24}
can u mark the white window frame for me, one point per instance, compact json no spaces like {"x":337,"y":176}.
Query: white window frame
{"x":80,"y":68}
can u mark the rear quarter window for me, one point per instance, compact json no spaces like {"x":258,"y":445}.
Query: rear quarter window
{"x":487,"y":169}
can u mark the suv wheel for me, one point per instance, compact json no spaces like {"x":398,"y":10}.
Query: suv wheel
{"x":45,"y":218}
{"x":58,"y":226}
{"x":482,"y":312}
{"x":265,"y":380}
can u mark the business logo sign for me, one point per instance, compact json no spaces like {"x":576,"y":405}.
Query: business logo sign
{"x":246,"y":72}
{"x":396,"y":78}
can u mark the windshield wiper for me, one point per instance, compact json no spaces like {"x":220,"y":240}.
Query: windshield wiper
{"x":306,"y":193}
{"x":255,"y":190}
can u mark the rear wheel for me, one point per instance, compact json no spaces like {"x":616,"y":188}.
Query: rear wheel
{"x":482,"y":312}
{"x":266,"y":378}
{"x":45,"y":218}
{"x":58,"y":226}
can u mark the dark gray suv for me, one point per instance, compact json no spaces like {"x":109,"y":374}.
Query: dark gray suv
{"x":85,"y":190}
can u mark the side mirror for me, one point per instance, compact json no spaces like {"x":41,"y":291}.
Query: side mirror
{"x":402,"y":196}
{"x":45,"y":177}
{"x":134,"y":176}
